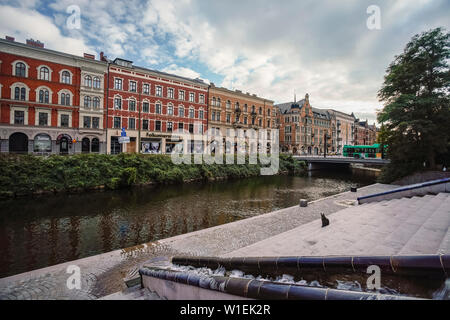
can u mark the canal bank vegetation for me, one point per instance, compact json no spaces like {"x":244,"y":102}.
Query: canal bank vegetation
{"x":416,"y":115}
{"x":27,"y":174}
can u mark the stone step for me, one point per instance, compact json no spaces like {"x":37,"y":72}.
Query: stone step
{"x":434,"y":229}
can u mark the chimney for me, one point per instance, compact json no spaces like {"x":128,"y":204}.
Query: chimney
{"x":102,"y":56}
{"x":89,"y":56}
{"x":10,"y":38}
{"x":35,"y":43}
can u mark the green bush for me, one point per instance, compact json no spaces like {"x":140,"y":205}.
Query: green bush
{"x":26,"y":174}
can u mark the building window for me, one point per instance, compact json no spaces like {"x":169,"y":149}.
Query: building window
{"x":87,"y":102}
{"x":213,"y":116}
{"x":88,"y":81}
{"x":191,"y":113}
{"x":228,"y":117}
{"x":158,"y":108}
{"x":43,"y":119}
{"x":97,"y":84}
{"x":213,"y":101}
{"x":132,"y":105}
{"x":159,"y":91}
{"x":65,"y":99}
{"x":218,"y":102}
{"x":180,"y":125}
{"x":96,"y":103}
{"x":218,"y":116}
{"x":170,"y":93}
{"x":144,"y":124}
{"x":95,"y":145}
{"x":245,"y":120}
{"x":86,"y":122}
{"x":169,"y":126}
{"x":20,"y":93}
{"x":170,"y":110}
{"x":20,"y":69}
{"x":260,"y":122}
{"x":131,"y":123}
{"x":181,"y":112}
{"x":44,"y":74}
{"x":157,"y":125}
{"x":116,"y":122}
{"x":202,"y":98}
{"x":228,"y":104}
{"x":118,"y":84}
{"x":145,"y":107}
{"x":133,"y":86}
{"x":19,"y":117}
{"x":146,"y":89}
{"x":43,"y":96}
{"x":181,"y":95}
{"x":65,"y":77}
{"x":95,"y":122}
{"x":118,"y":103}
{"x":191,"y":97}
{"x":65,"y":120}
{"x":191,"y":128}
{"x":42,"y":143}
{"x":85,"y":145}
{"x":200,"y":114}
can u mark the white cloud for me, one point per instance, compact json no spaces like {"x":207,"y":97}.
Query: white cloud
{"x":34,"y":25}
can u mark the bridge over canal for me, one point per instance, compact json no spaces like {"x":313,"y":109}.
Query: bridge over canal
{"x":320,"y":162}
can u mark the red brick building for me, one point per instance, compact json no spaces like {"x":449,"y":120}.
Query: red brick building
{"x":150,"y":105}
{"x":40,"y":100}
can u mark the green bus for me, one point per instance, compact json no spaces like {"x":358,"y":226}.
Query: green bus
{"x":376,"y":151}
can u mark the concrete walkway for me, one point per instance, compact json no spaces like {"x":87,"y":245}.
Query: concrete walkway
{"x":418,"y":225}
{"x":104,"y":274}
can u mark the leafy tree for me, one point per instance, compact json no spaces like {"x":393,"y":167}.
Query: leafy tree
{"x":416,"y":114}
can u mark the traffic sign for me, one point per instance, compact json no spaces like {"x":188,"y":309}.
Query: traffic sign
{"x":124,"y":139}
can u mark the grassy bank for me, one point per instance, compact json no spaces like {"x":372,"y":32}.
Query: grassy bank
{"x":26,"y":174}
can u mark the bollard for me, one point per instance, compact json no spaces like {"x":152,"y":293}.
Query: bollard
{"x":353,"y":189}
{"x":303,"y":203}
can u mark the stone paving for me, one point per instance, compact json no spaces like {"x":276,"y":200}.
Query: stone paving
{"x":104,"y":274}
{"x":407,"y":226}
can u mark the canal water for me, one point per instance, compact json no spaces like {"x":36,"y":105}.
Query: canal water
{"x":43,"y":231}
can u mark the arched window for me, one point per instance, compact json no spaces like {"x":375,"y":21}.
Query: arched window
{"x":88,"y":81}
{"x":65,"y":99}
{"x":97,"y":82}
{"x":65,"y":77}
{"x":95,"y":145}
{"x":85,"y":145}
{"x":42,"y":143}
{"x":44,"y":73}
{"x":170,"y":109}
{"x":87,"y":102}
{"x":228,"y":104}
{"x":96,"y":103}
{"x":20,"y":69}
{"x":20,"y":93}
{"x":218,"y":102}
{"x":214,"y":101}
{"x":43,"y":96}
{"x":191,"y":113}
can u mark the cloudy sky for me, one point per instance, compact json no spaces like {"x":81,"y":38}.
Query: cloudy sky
{"x":271,"y":48}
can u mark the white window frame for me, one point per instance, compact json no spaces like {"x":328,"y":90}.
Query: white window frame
{"x":20,"y":85}
{"x":149,"y":88}
{"x":27,"y":67}
{"x":65,"y":112}
{"x":114,"y":102}
{"x":43,"y":110}
{"x":129,"y":85}
{"x":60,"y":76}
{"x":66,"y":92}
{"x":114,"y":85}
{"x":161,"y":107}
{"x":50,"y":93}
{"x":50,"y":71}
{"x":18,"y":108}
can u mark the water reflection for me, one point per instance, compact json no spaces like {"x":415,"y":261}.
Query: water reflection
{"x":38,"y":232}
